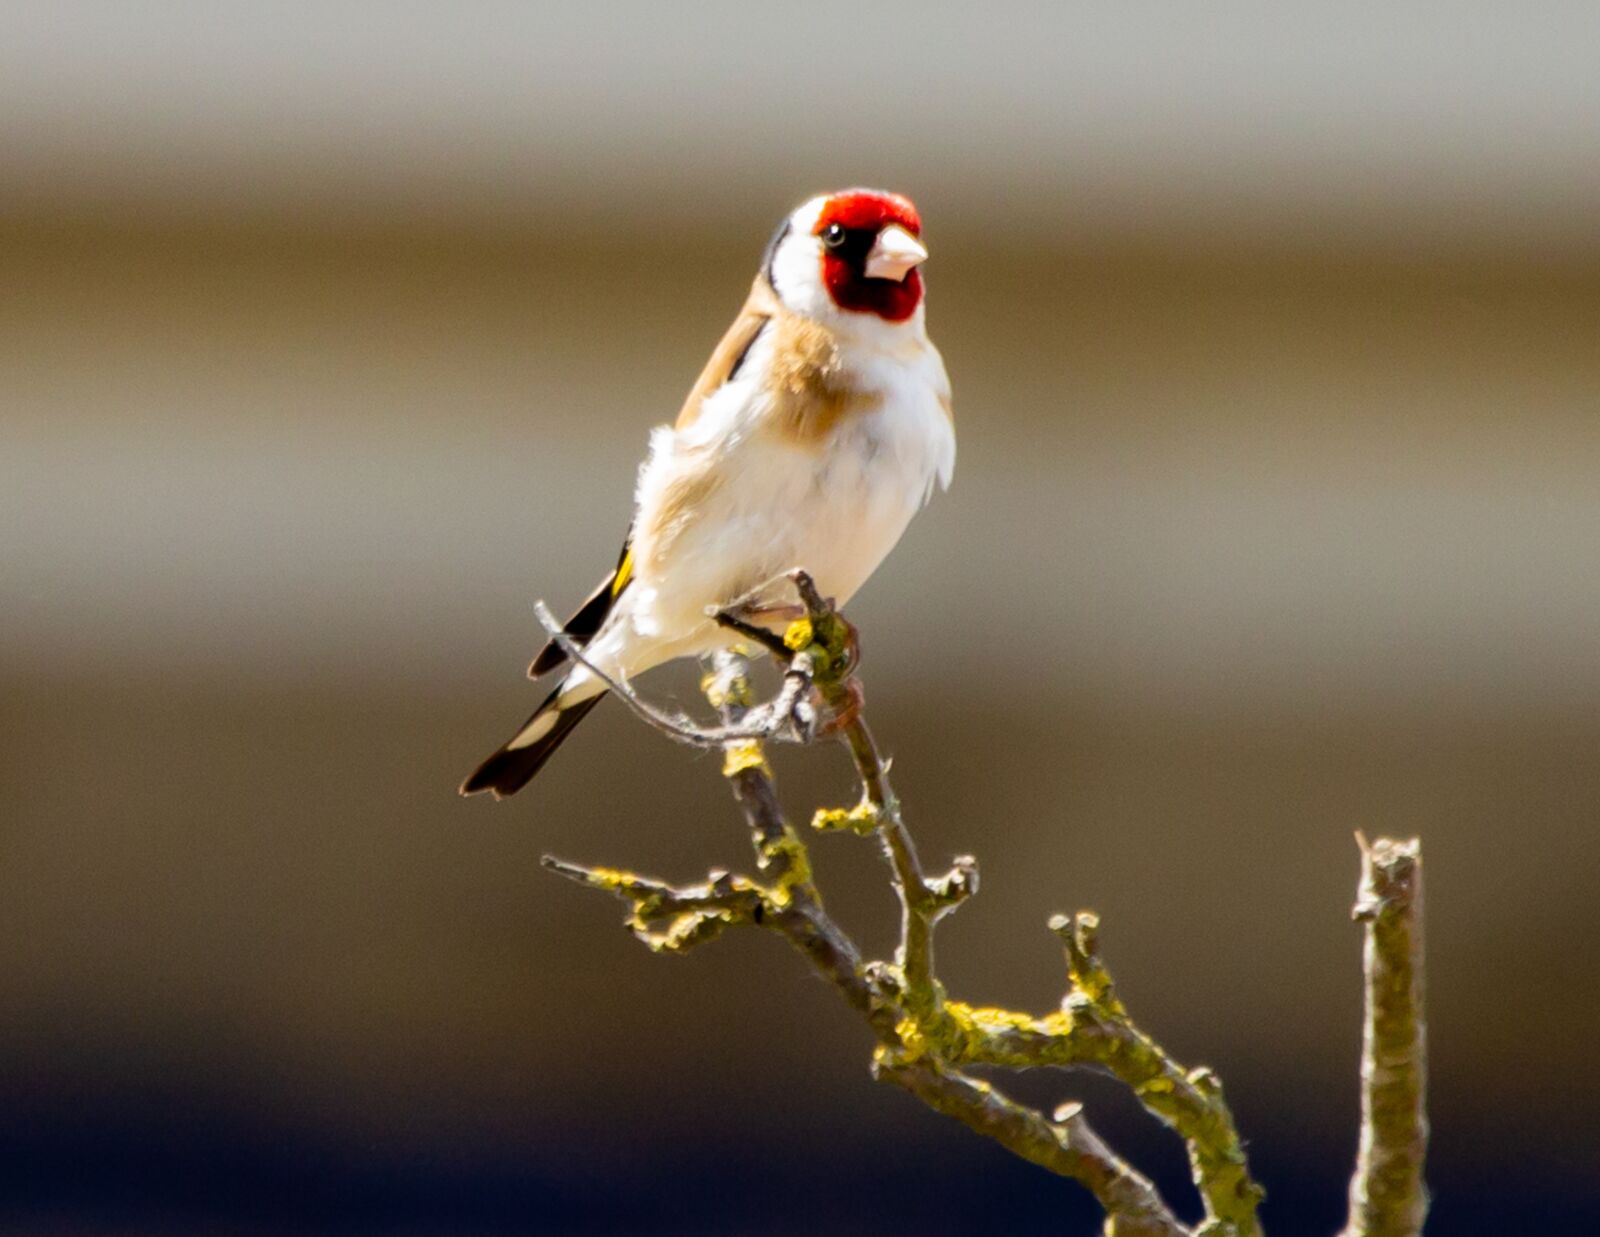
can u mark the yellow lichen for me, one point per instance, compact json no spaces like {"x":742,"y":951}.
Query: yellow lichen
{"x":788,"y":854}
{"x":825,"y":641}
{"x":983,"y":1032}
{"x":613,"y":879}
{"x":689,"y":928}
{"x":913,"y":1043}
{"x":990,"y":1017}
{"x":724,"y":690}
{"x":738,"y":757}
{"x":864,"y":818}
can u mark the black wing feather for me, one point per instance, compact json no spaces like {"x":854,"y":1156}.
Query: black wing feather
{"x":590,"y":616}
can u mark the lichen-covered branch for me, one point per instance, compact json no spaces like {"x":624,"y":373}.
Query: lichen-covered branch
{"x":926,"y":1042}
{"x":787,"y":716}
{"x":1388,"y":1197}
{"x":920,"y":904}
{"x":1093,"y":1028}
{"x":1065,"y":1145}
{"x":668,"y":918}
{"x":902,"y":1001}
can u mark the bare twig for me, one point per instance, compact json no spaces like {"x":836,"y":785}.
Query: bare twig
{"x":787,"y":716}
{"x":920,"y":906}
{"x":1388,"y":1197}
{"x":1067,"y":1147}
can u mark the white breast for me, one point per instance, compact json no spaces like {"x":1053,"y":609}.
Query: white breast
{"x":777,"y":504}
{"x":876,"y":474}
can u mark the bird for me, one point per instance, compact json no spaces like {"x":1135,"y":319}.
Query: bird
{"x":816,"y":431}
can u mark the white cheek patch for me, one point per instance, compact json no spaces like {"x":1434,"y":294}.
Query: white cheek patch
{"x":797,"y":264}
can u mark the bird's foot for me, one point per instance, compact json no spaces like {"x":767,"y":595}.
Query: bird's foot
{"x":832,"y":646}
{"x":834,"y":636}
{"x":738,"y":620}
{"x":847,"y":700}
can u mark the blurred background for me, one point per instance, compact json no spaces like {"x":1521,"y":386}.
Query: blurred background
{"x":330,"y":336}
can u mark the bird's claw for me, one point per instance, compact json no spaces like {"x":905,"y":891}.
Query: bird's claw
{"x":847,"y":705}
{"x":737,"y":619}
{"x":850,"y":657}
{"x":835,"y":704}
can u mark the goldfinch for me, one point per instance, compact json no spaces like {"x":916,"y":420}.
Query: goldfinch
{"x":815,"y":432}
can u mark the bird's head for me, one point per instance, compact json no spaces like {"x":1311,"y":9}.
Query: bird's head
{"x":852,"y":252}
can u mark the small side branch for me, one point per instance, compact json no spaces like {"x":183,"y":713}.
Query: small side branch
{"x":1388,"y":1197}
{"x":670,"y":918}
{"x":1093,"y":1028}
{"x":825,"y":633}
{"x":1066,"y":1146}
{"x":1190,"y":1101}
{"x":787,"y":716}
{"x":795,"y":911}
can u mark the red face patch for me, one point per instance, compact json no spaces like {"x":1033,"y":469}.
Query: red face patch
{"x":849,"y":225}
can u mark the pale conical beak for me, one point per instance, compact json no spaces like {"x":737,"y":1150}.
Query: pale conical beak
{"x":894,"y":253}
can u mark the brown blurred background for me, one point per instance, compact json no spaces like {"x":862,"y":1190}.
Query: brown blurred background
{"x":329,"y":339}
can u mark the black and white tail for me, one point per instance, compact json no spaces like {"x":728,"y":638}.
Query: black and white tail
{"x":513,"y":766}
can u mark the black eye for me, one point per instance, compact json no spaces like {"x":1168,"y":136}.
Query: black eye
{"x":833,"y":236}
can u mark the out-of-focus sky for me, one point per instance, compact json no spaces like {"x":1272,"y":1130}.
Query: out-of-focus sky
{"x":330,"y":337}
